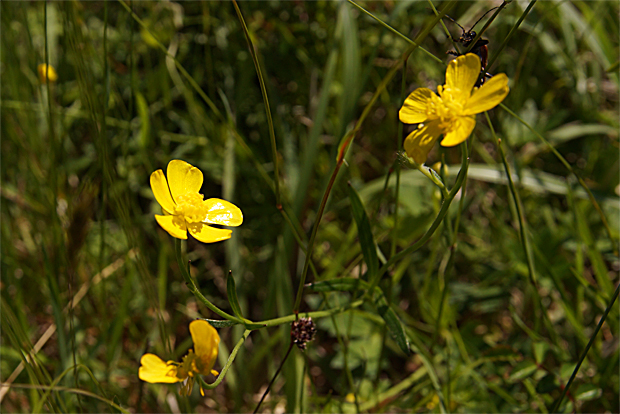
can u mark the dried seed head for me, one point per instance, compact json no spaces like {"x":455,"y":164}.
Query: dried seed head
{"x":302,"y":331}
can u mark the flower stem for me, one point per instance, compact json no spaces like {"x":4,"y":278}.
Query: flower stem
{"x":263,"y":89}
{"x":523,"y":233}
{"x":313,"y":315}
{"x":345,"y":142}
{"x":231,"y":358}
{"x":288,"y":351}
{"x":572,"y":171}
{"x":515,"y":194}
{"x":556,"y":407}
{"x":192,"y":286}
{"x":460,"y":178}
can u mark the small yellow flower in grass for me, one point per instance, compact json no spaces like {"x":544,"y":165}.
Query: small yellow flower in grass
{"x":452,"y":113}
{"x":197,"y":362}
{"x":185,"y":208}
{"x":47,"y":72}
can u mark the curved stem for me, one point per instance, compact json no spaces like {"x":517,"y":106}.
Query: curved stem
{"x":192,"y":286}
{"x":231,"y":358}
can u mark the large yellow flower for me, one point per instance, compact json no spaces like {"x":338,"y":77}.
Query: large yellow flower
{"x":185,"y":208}
{"x":197,"y":362}
{"x":452,"y":112}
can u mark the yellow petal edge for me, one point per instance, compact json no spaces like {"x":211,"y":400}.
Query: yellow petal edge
{"x":155,"y":370}
{"x":183,"y":178}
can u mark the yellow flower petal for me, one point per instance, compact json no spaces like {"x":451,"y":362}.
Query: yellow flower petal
{"x":174,"y":225}
{"x":460,"y":132}
{"x":183,"y":178}
{"x":208,"y":234}
{"x":462,"y":74}
{"x":47,"y":72}
{"x":154,"y":369}
{"x":206,"y":342}
{"x":414,"y":108}
{"x":159,"y":185}
{"x":419,"y":142}
{"x":223,"y":212}
{"x":490,"y":94}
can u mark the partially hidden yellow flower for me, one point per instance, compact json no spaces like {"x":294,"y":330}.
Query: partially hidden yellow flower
{"x":197,"y":362}
{"x":47,"y":72}
{"x":185,"y":208}
{"x":452,"y":113}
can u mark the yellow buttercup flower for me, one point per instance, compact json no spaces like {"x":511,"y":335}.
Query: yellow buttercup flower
{"x":197,"y":362}
{"x":185,"y":208}
{"x":452,"y":112}
{"x":47,"y":72}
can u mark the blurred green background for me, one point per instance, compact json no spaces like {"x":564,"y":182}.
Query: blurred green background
{"x":177,"y":81}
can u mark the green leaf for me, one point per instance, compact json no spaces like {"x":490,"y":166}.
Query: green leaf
{"x":145,"y":123}
{"x":231,"y":291}
{"x":367,"y":242}
{"x":523,"y":370}
{"x":392,"y":321}
{"x":540,"y":350}
{"x":220,"y":323}
{"x":587,"y":392}
{"x":344,"y":284}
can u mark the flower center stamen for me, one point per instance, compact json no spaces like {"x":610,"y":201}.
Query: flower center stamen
{"x":445,"y":107}
{"x":191,"y":207}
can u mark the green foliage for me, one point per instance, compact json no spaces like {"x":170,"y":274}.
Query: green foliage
{"x":494,"y":312}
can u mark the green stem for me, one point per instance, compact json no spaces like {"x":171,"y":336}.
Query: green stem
{"x":315,"y":229}
{"x":585,"y":351}
{"x":345,"y":142}
{"x":396,"y":32}
{"x":231,"y":358}
{"x":184,"y":72}
{"x":520,"y":216}
{"x":315,"y":315}
{"x":527,"y":249}
{"x":288,"y":352}
{"x":263,"y":89}
{"x":442,"y":214}
{"x":572,"y":171}
{"x":192,"y":286}
{"x":510,"y":34}
{"x":76,"y":391}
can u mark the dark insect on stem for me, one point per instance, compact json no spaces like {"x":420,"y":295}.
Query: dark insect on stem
{"x":480,"y":48}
